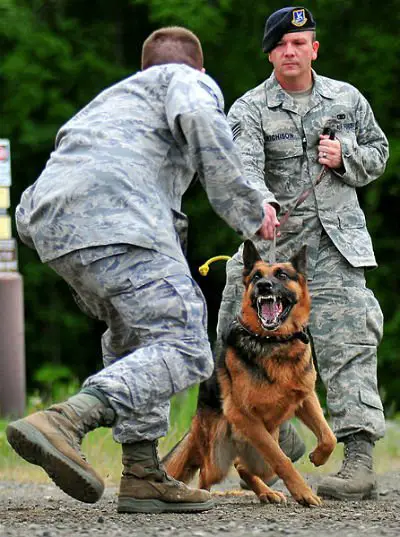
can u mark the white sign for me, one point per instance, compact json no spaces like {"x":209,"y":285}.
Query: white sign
{"x":5,"y":162}
{"x":8,"y":256}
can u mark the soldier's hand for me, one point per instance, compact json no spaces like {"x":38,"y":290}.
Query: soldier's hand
{"x":269,"y":224}
{"x":329,"y":152}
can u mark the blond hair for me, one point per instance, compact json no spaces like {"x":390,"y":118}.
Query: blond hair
{"x":172,"y":44}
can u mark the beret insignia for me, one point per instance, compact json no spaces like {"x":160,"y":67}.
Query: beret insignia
{"x":299,"y":17}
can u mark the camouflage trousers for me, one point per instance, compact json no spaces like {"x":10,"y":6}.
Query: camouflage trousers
{"x":156,"y":343}
{"x":346,"y":325}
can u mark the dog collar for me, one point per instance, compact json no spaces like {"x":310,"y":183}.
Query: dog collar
{"x":301,"y":334}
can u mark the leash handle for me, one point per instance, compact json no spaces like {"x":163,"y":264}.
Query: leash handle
{"x":331,"y":131}
{"x":272,"y":250}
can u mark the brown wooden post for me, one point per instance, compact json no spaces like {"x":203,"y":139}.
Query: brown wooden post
{"x":12,"y":345}
{"x":12,"y":339}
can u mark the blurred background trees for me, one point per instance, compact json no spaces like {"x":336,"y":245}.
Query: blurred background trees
{"x":56,"y":55}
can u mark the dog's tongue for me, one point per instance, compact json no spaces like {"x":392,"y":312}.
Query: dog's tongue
{"x":271,"y":309}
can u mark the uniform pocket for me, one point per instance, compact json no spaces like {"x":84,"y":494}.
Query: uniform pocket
{"x":353,"y":220}
{"x":163,"y":303}
{"x":95,"y":253}
{"x":281,"y":138}
{"x":282,"y":151}
{"x":370,"y":399}
{"x":281,"y":163}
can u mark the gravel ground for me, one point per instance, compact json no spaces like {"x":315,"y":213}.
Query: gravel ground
{"x":45,"y":511}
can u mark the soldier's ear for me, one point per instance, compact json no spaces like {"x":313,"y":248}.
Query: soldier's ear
{"x":315,"y":47}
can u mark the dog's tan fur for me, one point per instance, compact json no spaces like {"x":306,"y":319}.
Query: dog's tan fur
{"x":242,"y":406}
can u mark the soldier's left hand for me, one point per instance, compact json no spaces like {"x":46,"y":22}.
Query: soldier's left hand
{"x":329,"y":152}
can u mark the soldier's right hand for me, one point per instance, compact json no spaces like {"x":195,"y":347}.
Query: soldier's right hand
{"x":270,"y":223}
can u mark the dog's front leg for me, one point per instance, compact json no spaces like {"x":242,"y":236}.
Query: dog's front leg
{"x":311,"y":414}
{"x":257,"y":485}
{"x":253,"y":429}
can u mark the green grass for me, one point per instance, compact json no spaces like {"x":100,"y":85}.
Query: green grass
{"x":99,"y":446}
{"x":105,"y":454}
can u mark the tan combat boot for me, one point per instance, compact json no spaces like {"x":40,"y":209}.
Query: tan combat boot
{"x":52,"y":439}
{"x":356,"y":479}
{"x":146,"y":488}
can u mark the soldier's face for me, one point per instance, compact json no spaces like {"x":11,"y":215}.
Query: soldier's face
{"x":293,"y":55}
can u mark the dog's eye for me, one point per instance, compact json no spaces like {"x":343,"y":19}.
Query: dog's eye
{"x":281,"y":274}
{"x":256,"y":276}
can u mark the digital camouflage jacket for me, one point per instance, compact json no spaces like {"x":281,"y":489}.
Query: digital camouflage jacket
{"x":278,"y":141}
{"x":122,"y":164}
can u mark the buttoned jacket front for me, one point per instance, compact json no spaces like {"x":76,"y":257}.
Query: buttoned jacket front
{"x":278,"y":141}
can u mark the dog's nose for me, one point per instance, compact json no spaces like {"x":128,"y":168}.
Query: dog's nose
{"x":264,"y":286}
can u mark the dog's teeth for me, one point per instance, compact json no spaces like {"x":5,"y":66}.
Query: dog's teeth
{"x":269,"y":297}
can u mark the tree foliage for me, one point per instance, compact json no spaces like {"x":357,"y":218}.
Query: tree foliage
{"x":58,"y":54}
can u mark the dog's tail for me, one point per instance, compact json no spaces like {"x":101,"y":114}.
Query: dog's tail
{"x":190,"y":453}
{"x":208,"y":447}
{"x":183,"y":461}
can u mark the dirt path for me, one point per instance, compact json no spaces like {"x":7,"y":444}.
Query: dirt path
{"x":45,"y":511}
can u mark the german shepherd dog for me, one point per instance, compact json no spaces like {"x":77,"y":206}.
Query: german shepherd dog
{"x":264,"y":375}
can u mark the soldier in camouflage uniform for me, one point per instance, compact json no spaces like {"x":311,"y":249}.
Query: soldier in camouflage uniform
{"x":278,"y":128}
{"x":106,"y":215}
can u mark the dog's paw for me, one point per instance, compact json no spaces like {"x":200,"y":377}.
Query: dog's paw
{"x":319,"y":456}
{"x":272,"y":497}
{"x":308,"y":499}
{"x":315,"y":457}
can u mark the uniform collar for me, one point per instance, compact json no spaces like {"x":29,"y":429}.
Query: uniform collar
{"x":276,"y":96}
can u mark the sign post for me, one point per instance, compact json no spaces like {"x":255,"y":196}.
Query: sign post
{"x":12,"y":339}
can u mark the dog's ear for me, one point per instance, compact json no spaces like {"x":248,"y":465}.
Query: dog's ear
{"x":299,"y":260}
{"x":250,"y":255}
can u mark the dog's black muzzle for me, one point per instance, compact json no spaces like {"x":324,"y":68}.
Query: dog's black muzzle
{"x":273,"y":302}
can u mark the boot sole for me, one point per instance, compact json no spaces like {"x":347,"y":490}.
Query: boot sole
{"x":350,"y":496}
{"x":34,"y":447}
{"x":133,"y":505}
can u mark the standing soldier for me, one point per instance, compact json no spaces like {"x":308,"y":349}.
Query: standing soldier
{"x":287,"y":128}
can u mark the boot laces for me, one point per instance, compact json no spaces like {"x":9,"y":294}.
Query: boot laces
{"x":163,"y":474}
{"x":75,"y":432}
{"x":160,"y":468}
{"x":88,"y":423}
{"x":146,"y":464}
{"x":353,"y":461}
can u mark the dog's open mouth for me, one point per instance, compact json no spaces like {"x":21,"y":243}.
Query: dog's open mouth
{"x":272,"y":311}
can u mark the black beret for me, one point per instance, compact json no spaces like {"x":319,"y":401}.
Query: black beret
{"x":284,"y":21}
